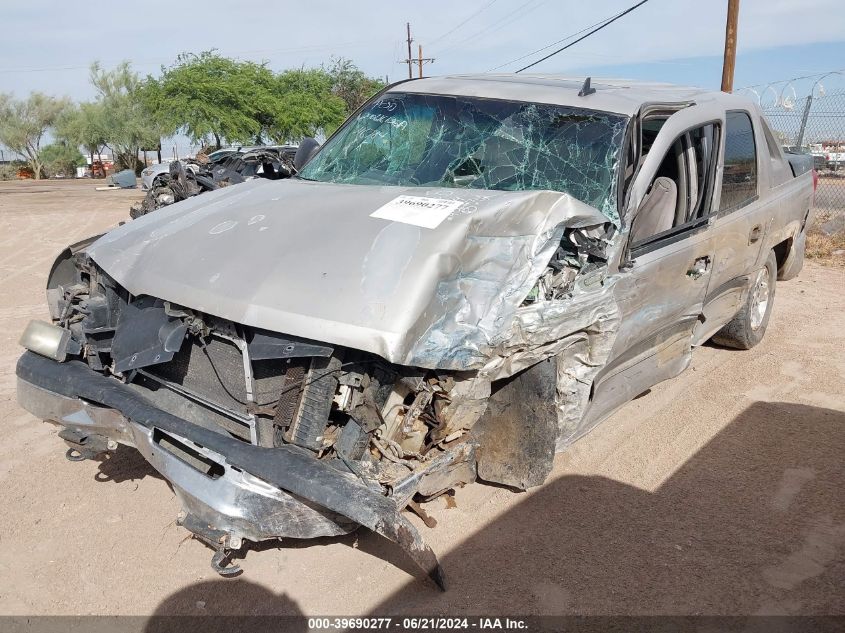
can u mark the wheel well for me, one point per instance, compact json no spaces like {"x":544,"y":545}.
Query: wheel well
{"x":782,"y":251}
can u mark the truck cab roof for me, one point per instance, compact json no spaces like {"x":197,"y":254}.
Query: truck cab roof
{"x":619,"y":96}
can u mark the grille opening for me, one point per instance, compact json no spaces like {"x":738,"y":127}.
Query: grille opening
{"x":205,"y":383}
{"x":189,"y":409}
{"x":220,"y":380}
{"x":269,"y":376}
{"x":188,"y":455}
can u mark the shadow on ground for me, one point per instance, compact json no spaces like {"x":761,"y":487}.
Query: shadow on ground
{"x":754,"y":523}
{"x":212,"y":603}
{"x":123,"y":464}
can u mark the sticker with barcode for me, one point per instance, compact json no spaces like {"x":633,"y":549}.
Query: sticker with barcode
{"x":417,"y":210}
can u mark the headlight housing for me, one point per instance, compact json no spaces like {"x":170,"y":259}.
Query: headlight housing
{"x":49,"y":340}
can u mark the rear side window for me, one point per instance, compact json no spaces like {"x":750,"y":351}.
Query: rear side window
{"x":739,"y":178}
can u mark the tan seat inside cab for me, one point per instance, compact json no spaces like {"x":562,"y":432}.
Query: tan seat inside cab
{"x":657,"y":213}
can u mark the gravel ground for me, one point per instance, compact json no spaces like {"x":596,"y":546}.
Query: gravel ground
{"x":719,"y":492}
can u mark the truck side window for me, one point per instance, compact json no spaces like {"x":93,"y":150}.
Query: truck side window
{"x":739,"y":178}
{"x":680,"y":194}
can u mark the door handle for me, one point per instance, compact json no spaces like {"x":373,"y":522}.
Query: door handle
{"x":755,"y":234}
{"x":699,"y":267}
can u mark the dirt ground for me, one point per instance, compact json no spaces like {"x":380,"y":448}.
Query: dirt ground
{"x":719,"y":492}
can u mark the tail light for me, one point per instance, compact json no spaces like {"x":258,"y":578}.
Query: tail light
{"x":815,"y":180}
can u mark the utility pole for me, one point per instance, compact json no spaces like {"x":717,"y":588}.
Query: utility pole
{"x":730,"y":46}
{"x":409,"y":60}
{"x":421,"y":60}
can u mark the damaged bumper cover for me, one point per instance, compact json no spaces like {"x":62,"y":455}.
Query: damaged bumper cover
{"x":246,"y":492}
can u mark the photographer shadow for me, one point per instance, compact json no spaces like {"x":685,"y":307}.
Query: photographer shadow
{"x":753,"y":523}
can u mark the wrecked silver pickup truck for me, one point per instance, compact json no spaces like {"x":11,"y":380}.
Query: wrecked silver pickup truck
{"x":467,"y":277}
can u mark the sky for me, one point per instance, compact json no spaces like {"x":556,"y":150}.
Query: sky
{"x":48,"y":46}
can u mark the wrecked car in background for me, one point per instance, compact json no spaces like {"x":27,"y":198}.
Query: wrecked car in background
{"x":182,"y":179}
{"x":150,"y":174}
{"x":467,"y":277}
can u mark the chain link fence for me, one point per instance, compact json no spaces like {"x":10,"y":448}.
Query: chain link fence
{"x":814,"y":125}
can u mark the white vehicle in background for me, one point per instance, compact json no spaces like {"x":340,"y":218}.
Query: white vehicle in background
{"x":149,"y":174}
{"x":817,"y":152}
{"x":834,"y":160}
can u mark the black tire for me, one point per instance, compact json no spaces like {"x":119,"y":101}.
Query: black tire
{"x":795,"y":258}
{"x":749,"y":325}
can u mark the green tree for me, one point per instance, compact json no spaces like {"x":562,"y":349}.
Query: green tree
{"x":84,"y":125}
{"x":61,"y":159}
{"x":124,"y":118}
{"x":213,"y":98}
{"x":304,"y":106}
{"x":24,"y":123}
{"x":351,"y":84}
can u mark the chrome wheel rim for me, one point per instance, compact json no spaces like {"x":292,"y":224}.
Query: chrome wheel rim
{"x":759,"y":299}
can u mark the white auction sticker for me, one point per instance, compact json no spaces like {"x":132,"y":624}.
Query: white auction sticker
{"x":417,"y":210}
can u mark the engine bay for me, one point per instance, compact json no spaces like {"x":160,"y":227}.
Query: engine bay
{"x":384,"y":423}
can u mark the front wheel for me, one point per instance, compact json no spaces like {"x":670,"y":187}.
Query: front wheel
{"x":747,"y":328}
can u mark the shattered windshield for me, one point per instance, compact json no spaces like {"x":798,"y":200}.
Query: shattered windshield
{"x":424,"y":140}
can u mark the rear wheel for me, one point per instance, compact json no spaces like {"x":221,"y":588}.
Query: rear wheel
{"x":749,"y":325}
{"x":794,"y":259}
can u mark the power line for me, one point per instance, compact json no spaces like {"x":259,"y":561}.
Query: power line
{"x":500,"y":23}
{"x":548,"y":46}
{"x":459,"y":25}
{"x":583,"y":37}
{"x":523,"y":10}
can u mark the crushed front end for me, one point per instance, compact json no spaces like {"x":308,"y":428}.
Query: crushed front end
{"x":387,"y":395}
{"x":263,"y":436}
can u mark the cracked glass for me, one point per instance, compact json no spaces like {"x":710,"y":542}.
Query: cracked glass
{"x":422,"y":140}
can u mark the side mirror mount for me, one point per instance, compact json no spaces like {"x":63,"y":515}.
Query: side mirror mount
{"x":306,"y":150}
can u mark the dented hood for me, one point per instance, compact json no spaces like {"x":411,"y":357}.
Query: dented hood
{"x":429,"y":283}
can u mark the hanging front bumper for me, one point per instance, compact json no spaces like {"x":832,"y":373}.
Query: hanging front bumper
{"x":239,"y":490}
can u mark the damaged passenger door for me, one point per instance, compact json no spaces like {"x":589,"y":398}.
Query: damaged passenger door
{"x":740,"y":223}
{"x":665,"y":271}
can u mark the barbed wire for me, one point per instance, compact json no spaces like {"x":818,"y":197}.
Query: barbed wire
{"x":791,"y":79}
{"x":784,"y":94}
